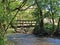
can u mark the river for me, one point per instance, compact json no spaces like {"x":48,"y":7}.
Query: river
{"x":30,"y":39}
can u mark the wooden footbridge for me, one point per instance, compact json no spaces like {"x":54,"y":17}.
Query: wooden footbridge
{"x":26,"y":23}
{"x":23,"y":24}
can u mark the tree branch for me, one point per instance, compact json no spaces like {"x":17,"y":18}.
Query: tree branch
{"x":11,"y":21}
{"x":15,"y":16}
{"x":28,"y":7}
{"x":23,"y":3}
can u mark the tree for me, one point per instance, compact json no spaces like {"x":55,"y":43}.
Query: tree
{"x":50,"y":8}
{"x":41,"y":6}
{"x":54,"y":8}
{"x":7,"y":15}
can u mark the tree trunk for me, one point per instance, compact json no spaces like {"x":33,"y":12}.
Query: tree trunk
{"x":58,"y":27}
{"x":41,"y":15}
{"x":56,"y":33}
{"x":53,"y":28}
{"x":52,"y":23}
{"x":41,"y":21}
{"x":41,"y":26}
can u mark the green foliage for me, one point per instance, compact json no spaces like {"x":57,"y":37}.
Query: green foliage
{"x":51,"y":9}
{"x":14,"y":4}
{"x":29,"y":2}
{"x":8,"y":11}
{"x":5,"y":18}
{"x":2,"y":42}
{"x":48,"y":28}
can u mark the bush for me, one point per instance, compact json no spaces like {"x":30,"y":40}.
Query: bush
{"x":48,"y":28}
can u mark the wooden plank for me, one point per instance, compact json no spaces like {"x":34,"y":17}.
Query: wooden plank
{"x":25,"y":20}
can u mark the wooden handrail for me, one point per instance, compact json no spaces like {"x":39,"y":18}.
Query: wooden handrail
{"x":24,"y":23}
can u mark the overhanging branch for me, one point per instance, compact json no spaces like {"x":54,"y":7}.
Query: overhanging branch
{"x":23,"y":3}
{"x":15,"y":15}
{"x":28,"y":7}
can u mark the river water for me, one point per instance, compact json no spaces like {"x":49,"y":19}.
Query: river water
{"x":30,"y":39}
